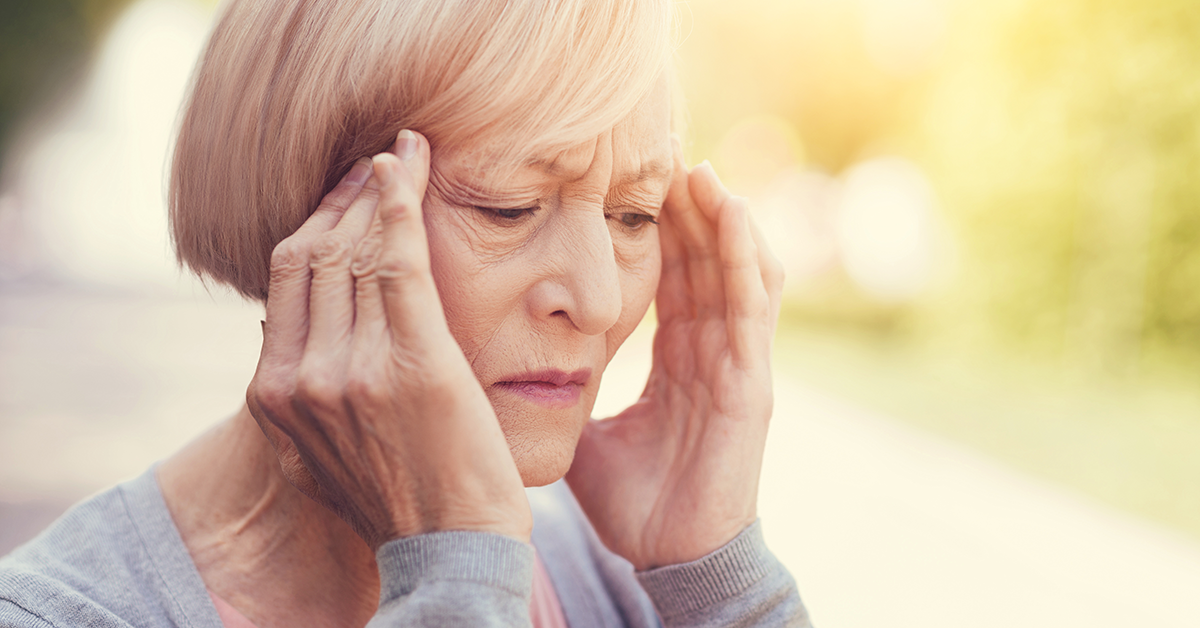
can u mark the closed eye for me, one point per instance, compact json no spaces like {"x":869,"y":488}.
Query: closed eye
{"x":508,"y":215}
{"x":634,"y":220}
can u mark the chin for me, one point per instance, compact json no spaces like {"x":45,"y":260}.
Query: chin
{"x":545,"y":470}
{"x":543,"y":450}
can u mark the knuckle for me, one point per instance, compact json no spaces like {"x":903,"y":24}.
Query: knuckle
{"x":269,"y":394}
{"x":289,"y":255}
{"x":318,"y":389}
{"x":365,"y":257}
{"x":331,"y":249}
{"x":395,"y":267}
{"x":364,"y":386}
{"x":402,"y":204}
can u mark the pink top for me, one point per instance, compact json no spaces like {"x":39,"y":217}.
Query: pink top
{"x":544,"y":608}
{"x":230,"y":616}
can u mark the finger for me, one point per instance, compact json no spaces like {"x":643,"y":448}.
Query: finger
{"x":286,"y":327}
{"x":370,"y":315}
{"x":410,"y":297}
{"x":707,"y":191}
{"x":370,"y":324}
{"x":772,"y":269}
{"x":331,"y":298}
{"x":747,"y":302}
{"x":696,"y":232}
{"x":698,"y":236}
{"x":672,"y":298}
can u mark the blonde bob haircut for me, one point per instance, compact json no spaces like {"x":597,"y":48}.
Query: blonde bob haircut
{"x":289,"y":93}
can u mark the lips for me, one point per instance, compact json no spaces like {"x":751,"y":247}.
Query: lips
{"x":551,"y":387}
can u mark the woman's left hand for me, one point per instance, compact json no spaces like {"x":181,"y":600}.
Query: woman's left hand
{"x":675,"y":476}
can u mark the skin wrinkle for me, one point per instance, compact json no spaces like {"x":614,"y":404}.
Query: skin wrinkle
{"x":473,"y":349}
{"x":260,"y":509}
{"x":471,"y":222}
{"x":561,"y":167}
{"x":530,"y":295}
{"x":263,"y":508}
{"x":465,"y":191}
{"x":545,"y":277}
{"x":627,"y":192}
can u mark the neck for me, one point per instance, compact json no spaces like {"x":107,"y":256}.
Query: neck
{"x":259,"y":544}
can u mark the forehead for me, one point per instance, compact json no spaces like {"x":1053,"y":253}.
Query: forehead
{"x":639,"y":145}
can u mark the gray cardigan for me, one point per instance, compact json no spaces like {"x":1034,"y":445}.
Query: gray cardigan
{"x":116,"y":560}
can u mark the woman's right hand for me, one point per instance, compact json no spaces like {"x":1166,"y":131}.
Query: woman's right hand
{"x":366,"y":397}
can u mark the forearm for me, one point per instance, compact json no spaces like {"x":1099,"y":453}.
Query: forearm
{"x":741,"y":584}
{"x":454,"y":579}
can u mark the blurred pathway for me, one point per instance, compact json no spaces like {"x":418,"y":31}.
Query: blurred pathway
{"x":882,"y":526}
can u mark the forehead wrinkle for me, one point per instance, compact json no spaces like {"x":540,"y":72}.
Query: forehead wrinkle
{"x":469,"y":185}
{"x":571,"y":172}
{"x":635,"y":196}
{"x":656,"y":170}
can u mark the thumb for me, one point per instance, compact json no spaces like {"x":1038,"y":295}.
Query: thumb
{"x":412,"y":150}
{"x":403,"y":270}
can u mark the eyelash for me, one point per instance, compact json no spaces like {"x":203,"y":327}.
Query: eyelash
{"x":639,"y":220}
{"x":511,"y":215}
{"x":508,"y":214}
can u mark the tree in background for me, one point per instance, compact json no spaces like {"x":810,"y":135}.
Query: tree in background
{"x":44,"y":44}
{"x":1062,"y":139}
{"x":1065,"y":139}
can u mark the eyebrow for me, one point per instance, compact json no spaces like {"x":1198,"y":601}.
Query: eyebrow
{"x":662,"y":168}
{"x":657,"y":169}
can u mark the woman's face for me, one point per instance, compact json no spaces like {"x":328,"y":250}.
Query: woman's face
{"x":545,"y":272}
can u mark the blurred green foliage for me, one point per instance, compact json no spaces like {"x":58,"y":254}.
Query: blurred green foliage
{"x":1062,"y":139}
{"x":43,"y":45}
{"x":1065,"y":140}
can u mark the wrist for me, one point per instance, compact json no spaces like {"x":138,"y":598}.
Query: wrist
{"x":485,"y":558}
{"x":516,"y":525}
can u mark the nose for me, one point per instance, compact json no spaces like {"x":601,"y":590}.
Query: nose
{"x":584,"y":285}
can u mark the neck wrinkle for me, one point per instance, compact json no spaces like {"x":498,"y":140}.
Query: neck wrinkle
{"x":249,"y":530}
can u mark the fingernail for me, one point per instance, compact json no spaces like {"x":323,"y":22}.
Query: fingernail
{"x":381,"y":170}
{"x":713,"y":173}
{"x":359,"y":172}
{"x":406,"y":145}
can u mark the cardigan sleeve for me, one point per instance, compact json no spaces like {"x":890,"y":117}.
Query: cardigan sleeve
{"x":742,"y":584}
{"x":13,"y":616}
{"x":454,"y":579}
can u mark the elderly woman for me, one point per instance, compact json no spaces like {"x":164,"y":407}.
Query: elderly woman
{"x":438,"y":318}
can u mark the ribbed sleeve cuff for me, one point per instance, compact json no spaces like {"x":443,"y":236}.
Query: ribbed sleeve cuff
{"x":492,"y":560}
{"x":683,"y":589}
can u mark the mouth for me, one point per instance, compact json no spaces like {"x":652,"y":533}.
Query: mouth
{"x":551,"y":388}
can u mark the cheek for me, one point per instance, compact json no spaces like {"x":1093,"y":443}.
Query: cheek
{"x":639,"y":284}
{"x":469,"y":291}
